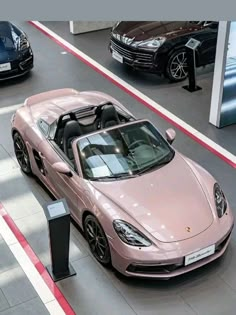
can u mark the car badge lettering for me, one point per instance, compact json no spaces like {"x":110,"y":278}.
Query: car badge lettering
{"x":188,"y":229}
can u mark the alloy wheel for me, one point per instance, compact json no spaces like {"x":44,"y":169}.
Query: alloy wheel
{"x":22,"y":154}
{"x":97,"y":240}
{"x":178,"y":66}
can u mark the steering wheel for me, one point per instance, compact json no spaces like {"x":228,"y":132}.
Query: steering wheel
{"x":135,"y":144}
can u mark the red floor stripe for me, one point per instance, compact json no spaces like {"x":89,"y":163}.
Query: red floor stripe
{"x":37,"y":263}
{"x":168,"y":119}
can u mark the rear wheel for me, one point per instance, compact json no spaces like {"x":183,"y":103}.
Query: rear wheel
{"x":21,"y":153}
{"x":97,"y":240}
{"x":177,"y":68}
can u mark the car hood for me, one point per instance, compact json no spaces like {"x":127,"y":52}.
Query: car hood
{"x":7,"y":56}
{"x":140,"y":31}
{"x":169,"y":202}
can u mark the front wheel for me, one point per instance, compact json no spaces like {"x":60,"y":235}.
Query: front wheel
{"x":21,"y":153}
{"x":177,"y":68}
{"x":97,"y":240}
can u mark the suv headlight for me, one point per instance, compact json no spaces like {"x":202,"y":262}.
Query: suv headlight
{"x":115,"y":25}
{"x":130,"y":235}
{"x":150,"y":43}
{"x":220,"y":200}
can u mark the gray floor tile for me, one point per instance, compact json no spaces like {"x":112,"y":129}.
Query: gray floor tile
{"x":151,"y":297}
{"x":227,"y":272}
{"x":164,"y":306}
{"x":91,"y":293}
{"x":16,"y":286}
{"x":212,"y":297}
{"x":3,"y":302}
{"x":32,"y":307}
{"x":7,"y":260}
{"x":16,"y":195}
{"x":6,"y":162}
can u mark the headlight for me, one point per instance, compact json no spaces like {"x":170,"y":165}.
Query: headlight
{"x":150,"y":43}
{"x":23,"y":42}
{"x":130,"y":235}
{"x":220,"y":200}
{"x":115,"y":25}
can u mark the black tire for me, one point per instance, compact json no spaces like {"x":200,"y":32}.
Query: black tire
{"x":22,"y":154}
{"x":97,"y":240}
{"x":176,"y":68}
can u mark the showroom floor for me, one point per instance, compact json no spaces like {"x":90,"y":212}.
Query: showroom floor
{"x":17,"y":295}
{"x":95,"y":290}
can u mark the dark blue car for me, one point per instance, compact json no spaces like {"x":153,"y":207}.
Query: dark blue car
{"x":16,"y":56}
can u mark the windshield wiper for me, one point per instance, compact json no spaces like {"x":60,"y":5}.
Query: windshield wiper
{"x":115,"y":176}
{"x":155,"y":166}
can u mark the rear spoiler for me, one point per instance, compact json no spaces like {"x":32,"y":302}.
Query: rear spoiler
{"x":46,"y":96}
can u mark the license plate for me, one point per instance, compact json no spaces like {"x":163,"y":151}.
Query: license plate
{"x":202,"y":253}
{"x":5,"y":66}
{"x":117,"y":56}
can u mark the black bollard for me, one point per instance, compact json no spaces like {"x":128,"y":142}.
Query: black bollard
{"x":191,"y":47}
{"x":58,"y":217}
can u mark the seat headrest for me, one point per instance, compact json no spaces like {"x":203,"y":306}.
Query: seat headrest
{"x":109,"y":117}
{"x":72,"y":129}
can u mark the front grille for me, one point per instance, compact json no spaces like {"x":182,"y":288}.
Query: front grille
{"x":153,"y":269}
{"x":24,"y":65}
{"x":131,"y":54}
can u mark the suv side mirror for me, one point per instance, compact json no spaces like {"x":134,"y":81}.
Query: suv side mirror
{"x":214,"y":25}
{"x":170,"y":135}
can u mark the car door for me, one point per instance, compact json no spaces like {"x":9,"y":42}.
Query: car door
{"x":70,"y":187}
{"x":208,"y":39}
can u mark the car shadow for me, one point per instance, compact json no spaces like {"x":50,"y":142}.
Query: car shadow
{"x":15,"y":81}
{"x":148,"y":80}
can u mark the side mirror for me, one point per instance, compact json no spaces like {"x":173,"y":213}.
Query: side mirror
{"x":62,"y":168}
{"x":214,"y":25}
{"x":170,"y":135}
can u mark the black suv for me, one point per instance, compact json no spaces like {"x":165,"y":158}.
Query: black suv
{"x":159,"y":47}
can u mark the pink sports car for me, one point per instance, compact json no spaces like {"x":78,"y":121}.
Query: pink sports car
{"x":144,"y":207}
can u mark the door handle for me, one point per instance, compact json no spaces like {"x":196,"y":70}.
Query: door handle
{"x":41,"y":155}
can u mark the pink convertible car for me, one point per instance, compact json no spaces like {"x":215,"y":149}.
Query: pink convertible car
{"x":144,"y":207}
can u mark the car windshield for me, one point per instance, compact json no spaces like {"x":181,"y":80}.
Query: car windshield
{"x":6,"y":43}
{"x":7,"y":32}
{"x":126,"y":151}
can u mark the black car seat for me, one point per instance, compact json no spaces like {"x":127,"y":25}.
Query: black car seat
{"x":72,"y":130}
{"x":109,"y":117}
{"x":60,"y":133}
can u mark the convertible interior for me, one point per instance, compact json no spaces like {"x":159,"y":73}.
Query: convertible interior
{"x":85,"y":121}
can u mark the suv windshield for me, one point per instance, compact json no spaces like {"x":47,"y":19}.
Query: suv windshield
{"x":126,"y":151}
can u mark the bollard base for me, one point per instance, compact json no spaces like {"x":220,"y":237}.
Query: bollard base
{"x":60,"y":276}
{"x":192,"y":89}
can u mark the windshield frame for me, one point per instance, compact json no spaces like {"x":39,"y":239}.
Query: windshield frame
{"x":106,"y":178}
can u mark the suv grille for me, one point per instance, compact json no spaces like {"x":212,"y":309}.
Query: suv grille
{"x":130,"y":53}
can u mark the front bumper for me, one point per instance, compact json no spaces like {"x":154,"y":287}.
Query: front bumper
{"x":19,"y":67}
{"x":151,"y":262}
{"x":142,"y":60}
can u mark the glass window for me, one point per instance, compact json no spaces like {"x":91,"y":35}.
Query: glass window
{"x":127,"y":150}
{"x":6,"y":43}
{"x":44,"y":126}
